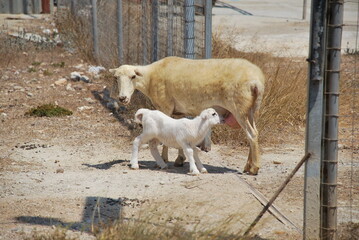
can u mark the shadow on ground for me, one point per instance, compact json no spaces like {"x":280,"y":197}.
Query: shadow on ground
{"x":151,"y":165}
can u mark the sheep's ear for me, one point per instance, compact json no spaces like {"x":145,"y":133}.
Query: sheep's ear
{"x":112,"y":70}
{"x":138,"y":73}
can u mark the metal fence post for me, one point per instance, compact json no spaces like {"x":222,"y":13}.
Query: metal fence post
{"x":330,"y":156}
{"x":314,"y":120}
{"x":189,"y":29}
{"x":208,"y":29}
{"x":155,"y":22}
{"x":94,"y":28}
{"x":73,"y":7}
{"x":144,"y":33}
{"x":119,"y":32}
{"x":170,"y":28}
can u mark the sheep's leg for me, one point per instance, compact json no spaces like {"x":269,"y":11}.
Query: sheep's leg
{"x":198,"y":161}
{"x":253,"y":163}
{"x":180,"y":159}
{"x":156,"y":155}
{"x":135,"y":147}
{"x":165,"y":153}
{"x":188,"y":151}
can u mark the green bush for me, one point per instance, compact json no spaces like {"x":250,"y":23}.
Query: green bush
{"x":48,"y":110}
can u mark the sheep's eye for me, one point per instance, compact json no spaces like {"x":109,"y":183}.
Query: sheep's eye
{"x":133,"y":77}
{"x":214,"y":114}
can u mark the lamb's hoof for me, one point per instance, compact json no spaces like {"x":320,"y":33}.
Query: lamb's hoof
{"x":164,"y":167}
{"x":194,"y":173}
{"x":251,"y":170}
{"x":135,"y":166}
{"x":203,"y":170}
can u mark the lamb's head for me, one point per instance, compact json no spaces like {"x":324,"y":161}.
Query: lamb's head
{"x":126,"y":76}
{"x":211,"y":116}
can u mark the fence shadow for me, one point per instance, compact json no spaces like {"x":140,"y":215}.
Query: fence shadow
{"x":97,"y":210}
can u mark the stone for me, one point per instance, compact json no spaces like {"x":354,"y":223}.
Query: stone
{"x":61,"y":82}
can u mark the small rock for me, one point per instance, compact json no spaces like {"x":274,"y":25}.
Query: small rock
{"x":69,"y":87}
{"x":84,"y":108}
{"x":85,"y":79}
{"x":277,"y":162}
{"x":96,"y":69}
{"x":60,"y":170}
{"x":61,"y":82}
{"x":162,"y":183}
{"x":77,"y":87}
{"x":29,"y":94}
{"x":19,"y":88}
{"x":75,"y":76}
{"x":90,"y":100}
{"x":147,"y":185}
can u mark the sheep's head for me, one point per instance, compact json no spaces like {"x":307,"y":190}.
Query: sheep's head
{"x":126,"y":76}
{"x":212,"y":116}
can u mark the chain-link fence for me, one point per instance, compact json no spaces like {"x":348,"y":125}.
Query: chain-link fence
{"x":142,"y":31}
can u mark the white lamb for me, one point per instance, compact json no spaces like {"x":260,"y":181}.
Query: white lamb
{"x":178,"y":133}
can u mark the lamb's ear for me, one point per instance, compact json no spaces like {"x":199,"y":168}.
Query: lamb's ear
{"x":112,"y":70}
{"x":138,"y":73}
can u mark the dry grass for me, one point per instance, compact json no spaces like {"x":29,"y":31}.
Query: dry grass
{"x":283,"y":106}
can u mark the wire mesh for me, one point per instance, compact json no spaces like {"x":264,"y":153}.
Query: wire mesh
{"x":151,"y":30}
{"x":348,"y":175}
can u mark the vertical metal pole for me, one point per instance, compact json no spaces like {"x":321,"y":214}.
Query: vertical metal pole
{"x":94,"y":28}
{"x":330,"y":159}
{"x":189,"y":28}
{"x":170,"y":28}
{"x":144,"y":32}
{"x":314,"y":120}
{"x":208,"y":29}
{"x":73,"y":7}
{"x":119,"y":32}
{"x":155,"y":22}
{"x":304,"y":13}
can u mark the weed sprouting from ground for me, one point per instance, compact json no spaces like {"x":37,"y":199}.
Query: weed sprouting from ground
{"x":48,"y":110}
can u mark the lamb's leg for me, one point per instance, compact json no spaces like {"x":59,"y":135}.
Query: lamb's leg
{"x":198,"y":162}
{"x":253,"y":163}
{"x":135,"y":147}
{"x":205,"y":145}
{"x":154,"y":151}
{"x":188,"y":151}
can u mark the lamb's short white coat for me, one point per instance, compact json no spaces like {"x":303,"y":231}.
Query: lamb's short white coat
{"x":233,"y":87}
{"x":178,"y":133}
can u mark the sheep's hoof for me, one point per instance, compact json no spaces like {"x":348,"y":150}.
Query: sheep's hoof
{"x":179,"y":161}
{"x":251,"y":170}
{"x":203,"y":170}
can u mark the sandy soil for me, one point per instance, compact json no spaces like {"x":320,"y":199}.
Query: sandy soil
{"x":73,"y":171}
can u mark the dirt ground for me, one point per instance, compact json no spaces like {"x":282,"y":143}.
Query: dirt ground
{"x":73,"y":171}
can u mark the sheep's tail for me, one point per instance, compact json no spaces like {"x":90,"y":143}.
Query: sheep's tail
{"x":257,"y":90}
{"x":139,"y":115}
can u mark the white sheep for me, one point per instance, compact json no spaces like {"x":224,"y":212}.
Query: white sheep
{"x":178,"y":133}
{"x":233,"y":87}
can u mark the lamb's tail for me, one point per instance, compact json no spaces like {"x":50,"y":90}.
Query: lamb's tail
{"x":139,"y":115}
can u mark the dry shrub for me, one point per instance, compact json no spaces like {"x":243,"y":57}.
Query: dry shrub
{"x":76,"y":33}
{"x":282,"y":111}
